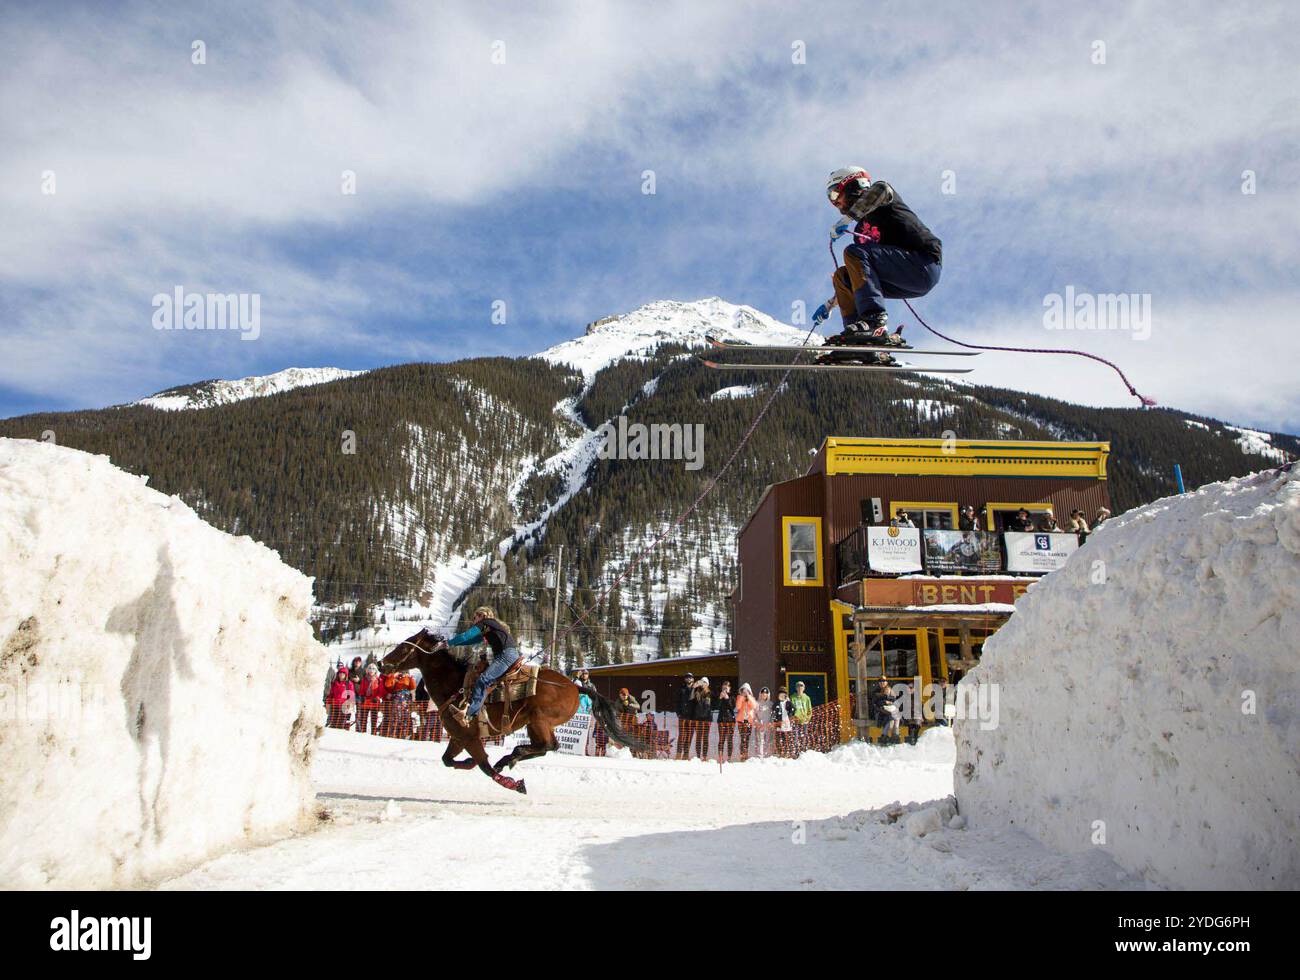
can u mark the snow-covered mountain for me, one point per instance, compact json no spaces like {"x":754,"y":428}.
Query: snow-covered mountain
{"x":206,"y":394}
{"x":643,"y":331}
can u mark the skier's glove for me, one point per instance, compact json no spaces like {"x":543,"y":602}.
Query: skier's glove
{"x":877,"y":195}
{"x":820,"y":314}
{"x":842,"y":226}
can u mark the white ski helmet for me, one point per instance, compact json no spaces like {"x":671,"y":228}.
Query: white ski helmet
{"x":840,"y":181}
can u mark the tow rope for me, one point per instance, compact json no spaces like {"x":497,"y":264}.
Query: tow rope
{"x":1146,"y":402}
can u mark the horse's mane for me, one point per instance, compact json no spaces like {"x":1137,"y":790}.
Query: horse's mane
{"x":459,"y":656}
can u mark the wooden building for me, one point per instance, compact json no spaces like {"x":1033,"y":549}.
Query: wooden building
{"x":810,"y":557}
{"x":656,"y":683}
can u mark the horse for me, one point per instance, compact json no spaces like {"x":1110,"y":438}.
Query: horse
{"x":555,"y":702}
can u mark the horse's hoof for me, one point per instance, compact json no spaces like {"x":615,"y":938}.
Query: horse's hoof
{"x":521,"y":788}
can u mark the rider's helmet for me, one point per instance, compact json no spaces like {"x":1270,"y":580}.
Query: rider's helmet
{"x":845,"y":184}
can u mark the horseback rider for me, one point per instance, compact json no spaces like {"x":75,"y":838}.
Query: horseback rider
{"x":505,"y":654}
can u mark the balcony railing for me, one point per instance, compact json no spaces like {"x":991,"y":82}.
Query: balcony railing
{"x":941,"y":552}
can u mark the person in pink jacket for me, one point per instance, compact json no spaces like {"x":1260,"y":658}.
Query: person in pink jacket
{"x":746,"y":716}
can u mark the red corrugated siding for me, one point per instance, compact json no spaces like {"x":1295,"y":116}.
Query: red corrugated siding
{"x":754,"y":626}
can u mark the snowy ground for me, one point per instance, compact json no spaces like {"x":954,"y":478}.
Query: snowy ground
{"x":398,"y":819}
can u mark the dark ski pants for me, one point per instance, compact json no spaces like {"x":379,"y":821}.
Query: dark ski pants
{"x":873,"y":273}
{"x":702,"y":738}
{"x":685,"y":730}
{"x":726,"y":739}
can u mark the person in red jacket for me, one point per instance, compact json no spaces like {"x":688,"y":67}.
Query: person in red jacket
{"x":341,"y":694}
{"x":370,"y":700}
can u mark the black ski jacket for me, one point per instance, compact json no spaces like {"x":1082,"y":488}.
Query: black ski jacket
{"x":896,"y":224}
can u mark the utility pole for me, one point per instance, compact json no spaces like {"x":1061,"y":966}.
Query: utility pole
{"x":555,"y":622}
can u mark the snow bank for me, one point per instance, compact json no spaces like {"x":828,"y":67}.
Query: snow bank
{"x":1149,"y":694}
{"x":159,"y":684}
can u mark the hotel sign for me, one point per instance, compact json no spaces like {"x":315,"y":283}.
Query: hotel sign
{"x":801,"y":646}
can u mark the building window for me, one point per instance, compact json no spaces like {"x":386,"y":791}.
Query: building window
{"x":999,"y":514}
{"x":927,"y":513}
{"x":893,"y":657}
{"x":802,"y":546}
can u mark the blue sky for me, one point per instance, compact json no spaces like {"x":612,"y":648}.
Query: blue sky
{"x":520,"y":180}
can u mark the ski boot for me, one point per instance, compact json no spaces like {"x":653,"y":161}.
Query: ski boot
{"x":872,"y":331}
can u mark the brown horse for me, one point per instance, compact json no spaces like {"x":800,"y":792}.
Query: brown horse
{"x":555,"y":702}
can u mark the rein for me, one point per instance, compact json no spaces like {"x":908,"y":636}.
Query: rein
{"x":409,"y":643}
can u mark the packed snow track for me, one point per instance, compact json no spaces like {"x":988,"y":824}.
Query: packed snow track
{"x":391,"y":816}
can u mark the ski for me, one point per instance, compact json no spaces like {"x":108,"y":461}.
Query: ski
{"x":820,"y":348}
{"x":878,"y":368}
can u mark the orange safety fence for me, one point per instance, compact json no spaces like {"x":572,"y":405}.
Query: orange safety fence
{"x":664,"y":735}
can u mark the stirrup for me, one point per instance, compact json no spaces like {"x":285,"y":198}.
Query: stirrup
{"x":456,"y":709}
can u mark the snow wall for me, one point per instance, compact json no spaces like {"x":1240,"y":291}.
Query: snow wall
{"x":1162,"y":701}
{"x":159,"y":683}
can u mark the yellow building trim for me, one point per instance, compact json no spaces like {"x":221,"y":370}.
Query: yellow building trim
{"x":787,"y":572}
{"x":918,"y":505}
{"x":966,"y":457}
{"x":841,"y":660}
{"x":1037,"y":507}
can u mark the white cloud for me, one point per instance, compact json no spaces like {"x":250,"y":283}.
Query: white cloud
{"x":1115,"y":177}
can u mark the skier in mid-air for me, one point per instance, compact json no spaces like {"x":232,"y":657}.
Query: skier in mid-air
{"x":893,"y":255}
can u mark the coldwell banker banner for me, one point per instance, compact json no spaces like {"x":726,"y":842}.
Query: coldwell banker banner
{"x":894,"y":550}
{"x":1038,"y":551}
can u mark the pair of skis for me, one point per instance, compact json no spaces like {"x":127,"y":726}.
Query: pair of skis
{"x":723,"y":345}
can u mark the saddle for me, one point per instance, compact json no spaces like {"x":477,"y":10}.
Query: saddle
{"x":515,"y":685}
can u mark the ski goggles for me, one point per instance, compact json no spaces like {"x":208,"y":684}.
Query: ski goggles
{"x":837,"y":192}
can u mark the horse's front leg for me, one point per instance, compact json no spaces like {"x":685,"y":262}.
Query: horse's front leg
{"x":449,"y":757}
{"x":478,"y":752}
{"x":507,"y":760}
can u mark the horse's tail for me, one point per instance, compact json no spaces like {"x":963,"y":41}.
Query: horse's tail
{"x":607,"y":714}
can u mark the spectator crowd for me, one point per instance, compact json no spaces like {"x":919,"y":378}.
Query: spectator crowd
{"x":729,"y":726}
